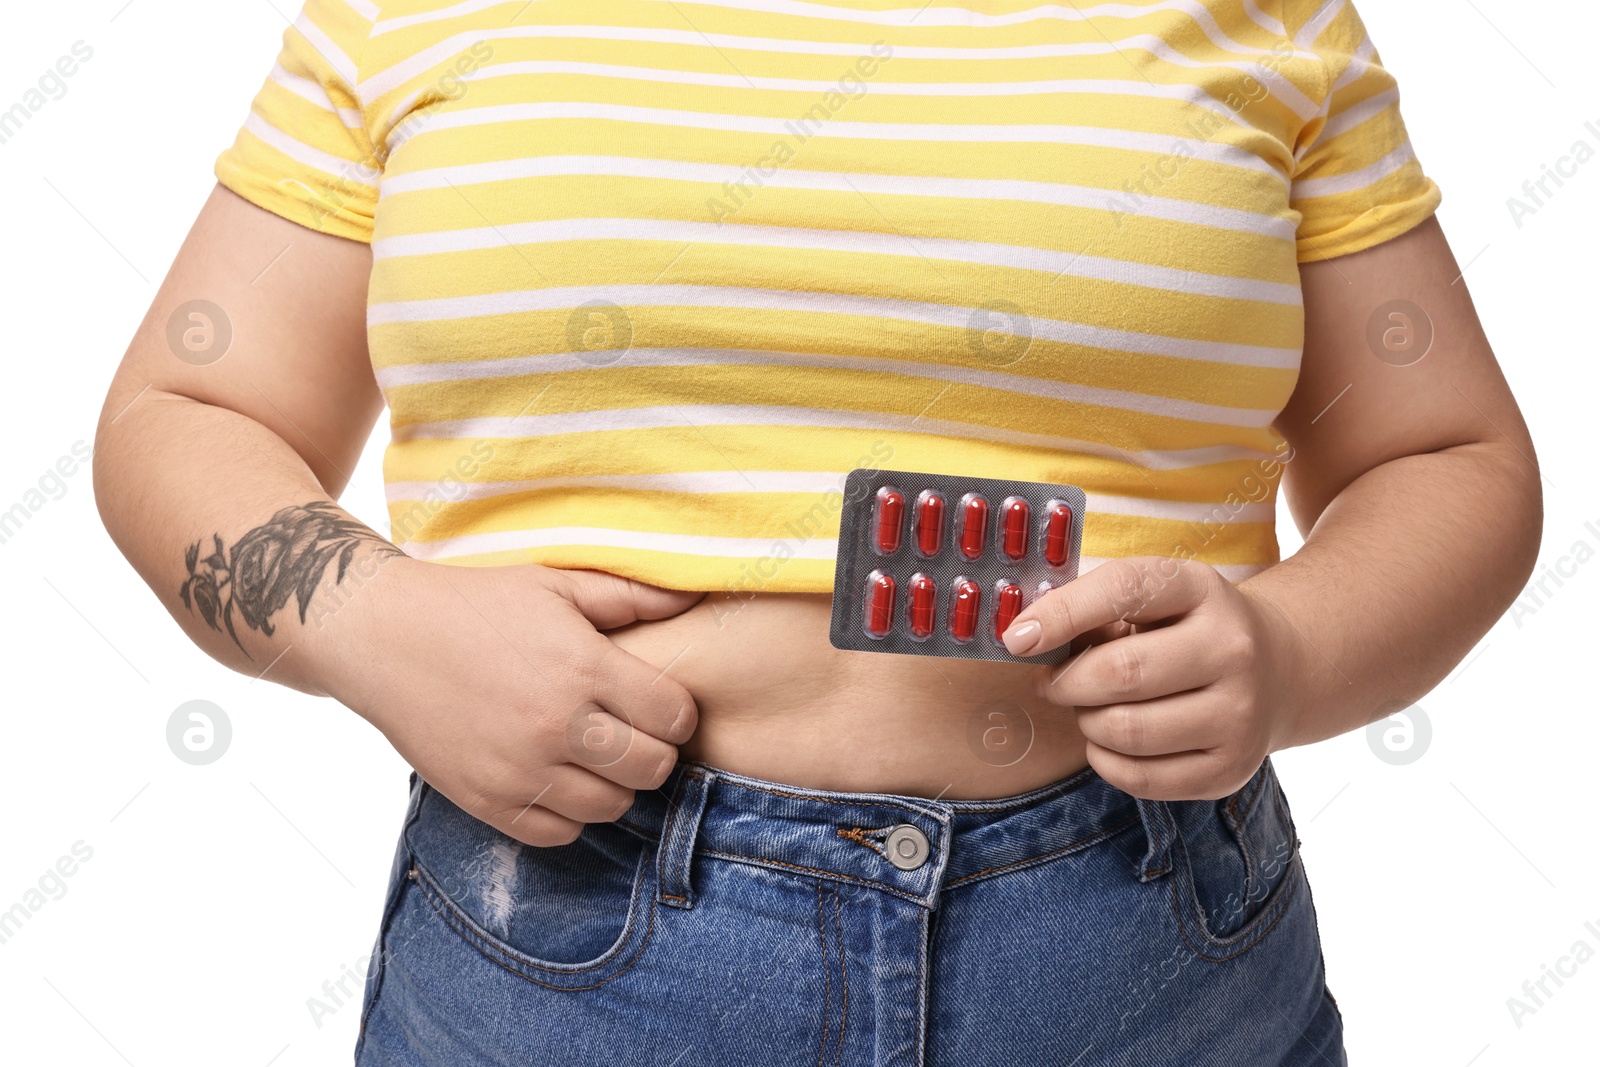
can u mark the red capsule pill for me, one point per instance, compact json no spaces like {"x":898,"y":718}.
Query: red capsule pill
{"x":880,"y":603}
{"x":891,"y":510}
{"x":930,"y":522}
{"x":923,"y":594}
{"x":1014,"y":542}
{"x":1058,"y":534}
{"x":1007,"y":605}
{"x":964,"y":612}
{"x":974,"y":525}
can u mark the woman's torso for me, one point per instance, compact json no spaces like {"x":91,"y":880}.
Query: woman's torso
{"x":649,"y":280}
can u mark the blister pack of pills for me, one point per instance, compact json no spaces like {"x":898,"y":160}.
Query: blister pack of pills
{"x":940,"y":564}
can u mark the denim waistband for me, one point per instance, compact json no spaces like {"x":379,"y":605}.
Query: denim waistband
{"x":704,"y":811}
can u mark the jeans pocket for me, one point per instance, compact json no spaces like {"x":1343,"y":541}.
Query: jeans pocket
{"x":568,"y":917}
{"x":1238,"y":866}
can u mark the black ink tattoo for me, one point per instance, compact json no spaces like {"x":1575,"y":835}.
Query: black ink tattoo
{"x":286,"y":556}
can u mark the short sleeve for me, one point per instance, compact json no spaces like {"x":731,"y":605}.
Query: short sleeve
{"x":1356,"y":181}
{"x":304,"y":152}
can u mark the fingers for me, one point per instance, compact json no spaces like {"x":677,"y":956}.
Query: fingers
{"x":609,"y":601}
{"x":579,"y":795}
{"x":1180,"y":776}
{"x":639,"y":693}
{"x":1139,"y":589}
{"x":556,"y":813}
{"x":1141,"y":666}
{"x":533,"y":825}
{"x":609,"y":747}
{"x":1099,"y":635}
{"x":1182,"y":723}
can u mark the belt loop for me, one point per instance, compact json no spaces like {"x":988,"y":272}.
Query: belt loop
{"x":678,"y":834}
{"x":1160,"y":832}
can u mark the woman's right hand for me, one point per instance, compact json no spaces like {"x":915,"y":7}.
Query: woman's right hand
{"x":492,"y":682}
{"x":496,"y":686}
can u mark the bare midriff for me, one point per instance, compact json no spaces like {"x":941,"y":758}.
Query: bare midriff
{"x":778,"y":702}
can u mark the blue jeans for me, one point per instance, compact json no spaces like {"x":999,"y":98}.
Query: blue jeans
{"x":726,"y":920}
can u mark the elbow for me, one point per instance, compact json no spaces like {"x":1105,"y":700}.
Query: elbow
{"x":109,"y":463}
{"x":1521,"y":496}
{"x":1498,"y":483}
{"x":102,"y":485}
{"x":1529,"y":503}
{"x":1533,"y":527}
{"x":101,"y":482}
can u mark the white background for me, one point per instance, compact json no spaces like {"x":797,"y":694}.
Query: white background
{"x":219,"y":898}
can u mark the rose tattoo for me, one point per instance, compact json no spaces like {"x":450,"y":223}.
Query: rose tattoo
{"x":285,"y":556}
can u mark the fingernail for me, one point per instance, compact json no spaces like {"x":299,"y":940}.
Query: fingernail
{"x":1022,"y":638}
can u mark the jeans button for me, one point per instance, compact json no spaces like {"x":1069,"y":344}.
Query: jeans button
{"x":907,"y":847}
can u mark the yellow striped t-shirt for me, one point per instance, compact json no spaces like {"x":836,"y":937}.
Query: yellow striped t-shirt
{"x":651,"y":275}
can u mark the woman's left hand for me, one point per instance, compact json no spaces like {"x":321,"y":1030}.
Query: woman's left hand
{"x":1187,"y":683}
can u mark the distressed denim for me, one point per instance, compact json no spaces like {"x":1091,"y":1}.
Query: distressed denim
{"x":725,"y":920}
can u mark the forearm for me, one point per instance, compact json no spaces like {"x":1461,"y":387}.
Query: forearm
{"x":1403,"y":572}
{"x":234,"y":533}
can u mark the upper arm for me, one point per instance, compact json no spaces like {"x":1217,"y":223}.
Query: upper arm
{"x":1396,"y":364}
{"x":280,"y":257}
{"x":294,"y":302}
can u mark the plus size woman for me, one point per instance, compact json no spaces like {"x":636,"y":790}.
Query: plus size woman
{"x":639,"y":282}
